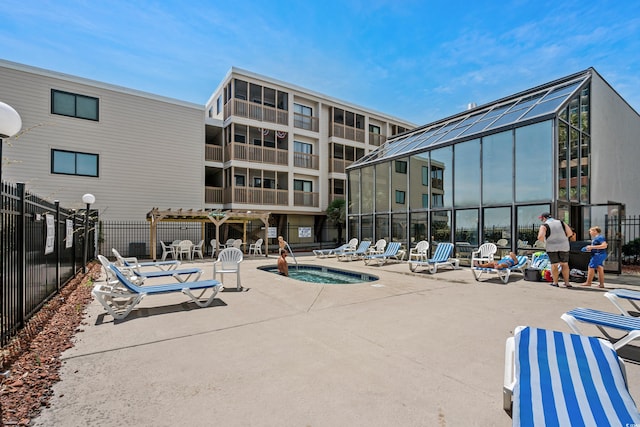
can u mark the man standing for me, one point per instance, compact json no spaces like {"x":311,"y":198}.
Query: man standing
{"x":556,"y":235}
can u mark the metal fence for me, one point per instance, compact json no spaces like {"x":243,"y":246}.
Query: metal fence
{"x":36,"y":260}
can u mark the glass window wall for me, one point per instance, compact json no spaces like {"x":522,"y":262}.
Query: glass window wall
{"x":382,"y":228}
{"x":534,"y":157}
{"x":442,"y":177}
{"x":382,"y":187}
{"x":418,"y":225}
{"x":366,"y":185}
{"x":497,"y":228}
{"x":466,"y":237}
{"x":419,"y":188}
{"x":497,"y":168}
{"x":467,"y":173}
{"x":399,"y":178}
{"x":399,"y":228}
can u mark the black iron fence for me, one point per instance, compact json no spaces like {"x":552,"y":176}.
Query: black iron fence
{"x":36,"y":259}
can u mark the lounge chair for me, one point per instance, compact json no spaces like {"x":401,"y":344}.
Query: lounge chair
{"x":228,"y":261}
{"x":131,"y":261}
{"x":616,"y":296}
{"x":441,"y":258}
{"x":502,"y":273}
{"x":562,"y":379}
{"x":138,"y":277}
{"x":324,"y":253}
{"x":120,"y":300}
{"x":357,"y":254}
{"x":484,"y":253}
{"x":390,"y":252}
{"x":603,"y":319}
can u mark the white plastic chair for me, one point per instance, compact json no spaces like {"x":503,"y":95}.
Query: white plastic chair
{"x":228,"y":261}
{"x":197,"y":250}
{"x":184,"y":248}
{"x":256,"y":248}
{"x":167,"y":250}
{"x":229,"y":243}
{"x":420,"y":252}
{"x":483,"y":254}
{"x":379,"y":247}
{"x":237,"y":244}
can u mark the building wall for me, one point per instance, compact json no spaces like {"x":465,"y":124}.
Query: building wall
{"x":615,"y":150}
{"x":151,"y":149}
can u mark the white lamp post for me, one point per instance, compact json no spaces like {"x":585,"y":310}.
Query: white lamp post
{"x":10,"y":124}
{"x":88,"y":199}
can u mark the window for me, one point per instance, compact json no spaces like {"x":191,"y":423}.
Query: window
{"x":219,"y":105}
{"x":282,"y":101}
{"x":257,"y":182}
{"x":239,"y":180}
{"x":303,"y":110}
{"x":302,"y":147}
{"x":303,"y":116}
{"x":72,"y":163}
{"x":438,"y":201}
{"x":401,"y":166}
{"x":73,"y":105}
{"x":374,"y":129}
{"x":301,"y":185}
{"x":400,"y":197}
{"x":425,"y":176}
{"x":240,"y":89}
{"x":425,"y":201}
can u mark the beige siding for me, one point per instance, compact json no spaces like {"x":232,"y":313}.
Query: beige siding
{"x":151,"y":150}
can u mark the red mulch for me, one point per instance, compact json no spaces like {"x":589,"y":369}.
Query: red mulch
{"x":33,"y":357}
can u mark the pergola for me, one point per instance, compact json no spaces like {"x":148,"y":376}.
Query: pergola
{"x":217,"y":217}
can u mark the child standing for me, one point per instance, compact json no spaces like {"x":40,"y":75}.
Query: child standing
{"x":598,"y":248}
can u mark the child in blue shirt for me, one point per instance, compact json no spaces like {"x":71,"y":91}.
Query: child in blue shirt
{"x":598,"y":249}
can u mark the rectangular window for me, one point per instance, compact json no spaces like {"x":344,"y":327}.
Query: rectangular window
{"x":72,"y":163}
{"x":425,"y":176}
{"x":401,"y":166}
{"x":374,"y":129}
{"x":301,"y":185}
{"x":219,"y":105}
{"x":302,"y":147}
{"x":425,"y":201}
{"x":283,"y":101}
{"x":400,"y":197}
{"x":302,"y":109}
{"x":73,"y":105}
{"x":239,"y":180}
{"x":438,"y":201}
{"x":240,"y":89}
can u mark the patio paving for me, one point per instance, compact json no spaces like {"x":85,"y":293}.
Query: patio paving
{"x":411,"y":349}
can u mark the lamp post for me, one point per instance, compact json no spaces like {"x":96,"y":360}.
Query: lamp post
{"x":10,"y":124}
{"x":87,"y":199}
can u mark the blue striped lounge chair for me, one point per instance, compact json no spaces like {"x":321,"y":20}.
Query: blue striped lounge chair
{"x":441,"y":258}
{"x":630,"y":326}
{"x":138,"y":277}
{"x":555,"y":378}
{"x":391,"y":251}
{"x":502,"y":273}
{"x":363,"y":247}
{"x":119,"y":300}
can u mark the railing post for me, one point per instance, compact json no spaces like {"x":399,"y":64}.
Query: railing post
{"x":57,"y":243}
{"x":22,"y":256}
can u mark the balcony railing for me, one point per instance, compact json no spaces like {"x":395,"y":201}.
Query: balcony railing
{"x":304,"y":160}
{"x":251,"y":110}
{"x":255,"y":153}
{"x":376,"y":139}
{"x":347,"y":132}
{"x":306,"y":198}
{"x":213,"y":195}
{"x":213,"y":153}
{"x":305,"y":122}
{"x":339,"y":165}
{"x":256,"y":196}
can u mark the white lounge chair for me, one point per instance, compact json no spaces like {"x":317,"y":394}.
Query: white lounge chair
{"x":120,"y":300}
{"x":360,"y":252}
{"x":349,"y":246}
{"x":561,"y":379}
{"x":228,"y":261}
{"x":502,"y":273}
{"x":134,"y":273}
{"x":131,"y":261}
{"x":441,"y":258}
{"x":390,"y":252}
{"x":603,"y":319}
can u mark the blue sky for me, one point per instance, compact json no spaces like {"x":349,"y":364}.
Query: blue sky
{"x":416,"y":60}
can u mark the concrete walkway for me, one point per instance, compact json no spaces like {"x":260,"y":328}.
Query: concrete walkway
{"x":411,"y":349}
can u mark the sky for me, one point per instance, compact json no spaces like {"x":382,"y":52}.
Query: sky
{"x":419,"y":61}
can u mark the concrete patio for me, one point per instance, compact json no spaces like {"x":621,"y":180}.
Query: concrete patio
{"x":411,"y":349}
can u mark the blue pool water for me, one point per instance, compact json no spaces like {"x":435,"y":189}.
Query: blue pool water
{"x":324,"y":275}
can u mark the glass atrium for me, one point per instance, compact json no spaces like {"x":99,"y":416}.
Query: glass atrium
{"x":484,"y":175}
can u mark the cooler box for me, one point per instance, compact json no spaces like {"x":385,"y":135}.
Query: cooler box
{"x":532,"y":275}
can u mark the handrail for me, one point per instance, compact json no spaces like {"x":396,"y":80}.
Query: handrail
{"x":291,"y":252}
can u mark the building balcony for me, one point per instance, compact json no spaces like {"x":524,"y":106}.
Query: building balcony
{"x":256,"y":196}
{"x":301,"y":121}
{"x":252,"y":110}
{"x":376,"y":139}
{"x":306,"y":198}
{"x":304,"y":160}
{"x":347,"y":132}
{"x":213,"y":153}
{"x":213,"y":195}
{"x":339,"y":165}
{"x":256,"y":153}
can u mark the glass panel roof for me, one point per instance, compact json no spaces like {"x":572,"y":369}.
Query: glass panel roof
{"x":538,"y":101}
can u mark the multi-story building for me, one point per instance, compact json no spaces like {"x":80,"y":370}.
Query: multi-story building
{"x":259,"y":144}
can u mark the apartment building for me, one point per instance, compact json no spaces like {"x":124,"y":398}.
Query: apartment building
{"x":259,"y":144}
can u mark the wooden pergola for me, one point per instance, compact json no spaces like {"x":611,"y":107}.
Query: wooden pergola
{"x":217,"y":217}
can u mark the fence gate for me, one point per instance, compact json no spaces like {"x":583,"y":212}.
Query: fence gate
{"x":608,"y":217}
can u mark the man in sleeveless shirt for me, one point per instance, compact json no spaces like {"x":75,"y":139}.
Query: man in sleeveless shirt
{"x":556,"y":235}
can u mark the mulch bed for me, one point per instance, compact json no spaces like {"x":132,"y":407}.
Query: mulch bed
{"x":32,"y":358}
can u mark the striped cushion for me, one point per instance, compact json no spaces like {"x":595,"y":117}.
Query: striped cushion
{"x":566,"y":380}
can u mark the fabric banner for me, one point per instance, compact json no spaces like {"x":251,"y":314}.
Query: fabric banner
{"x":51,"y":234}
